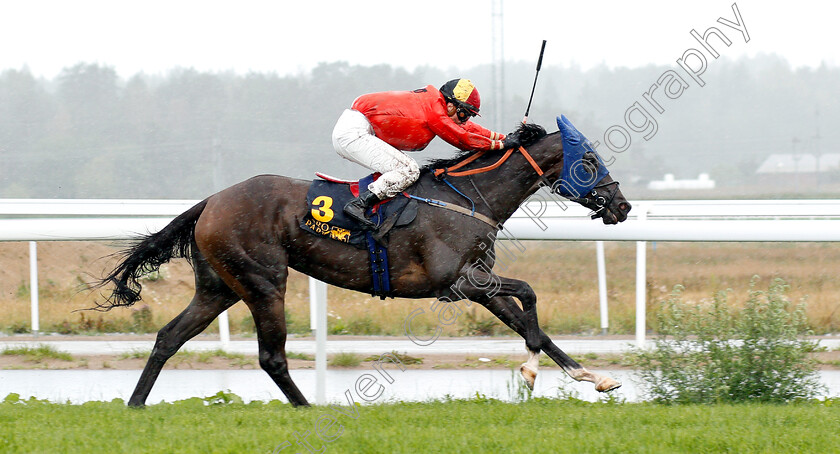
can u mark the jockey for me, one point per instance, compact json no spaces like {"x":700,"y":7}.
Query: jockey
{"x":379,"y":127}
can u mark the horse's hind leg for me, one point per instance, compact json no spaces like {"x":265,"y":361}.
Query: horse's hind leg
{"x":212,"y":297}
{"x":506,"y":309}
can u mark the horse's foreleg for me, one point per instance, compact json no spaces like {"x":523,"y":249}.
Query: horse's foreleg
{"x":508,"y":312}
{"x":480,"y":286}
{"x":530,"y":368}
{"x":528,"y":299}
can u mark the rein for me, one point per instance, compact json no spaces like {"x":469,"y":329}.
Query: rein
{"x":442,"y":173}
{"x":463,"y":173}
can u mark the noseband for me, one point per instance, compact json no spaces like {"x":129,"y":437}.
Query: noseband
{"x":597,"y":202}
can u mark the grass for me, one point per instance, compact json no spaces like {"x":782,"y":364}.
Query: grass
{"x":344,"y":359}
{"x":207,"y":356}
{"x":189,"y":356}
{"x":221,"y":423}
{"x":297,"y":355}
{"x":404,"y":358}
{"x":135,"y":354}
{"x":563,"y":275}
{"x":37,"y":354}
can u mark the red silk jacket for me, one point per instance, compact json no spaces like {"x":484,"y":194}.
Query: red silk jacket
{"x":409,"y":120}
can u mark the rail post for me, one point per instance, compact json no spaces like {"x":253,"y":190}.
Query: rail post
{"x":33,"y":286}
{"x":602,"y":287}
{"x":641,"y":282}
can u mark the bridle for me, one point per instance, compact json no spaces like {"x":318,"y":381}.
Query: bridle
{"x":596,"y":202}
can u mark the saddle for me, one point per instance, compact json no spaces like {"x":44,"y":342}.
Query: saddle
{"x":326,"y":199}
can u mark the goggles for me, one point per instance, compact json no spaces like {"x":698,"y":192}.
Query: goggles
{"x":463,"y":114}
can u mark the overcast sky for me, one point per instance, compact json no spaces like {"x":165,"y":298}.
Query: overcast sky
{"x":154,"y":36}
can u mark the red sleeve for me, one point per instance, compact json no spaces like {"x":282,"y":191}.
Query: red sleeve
{"x":482,"y":131}
{"x":468,"y":136}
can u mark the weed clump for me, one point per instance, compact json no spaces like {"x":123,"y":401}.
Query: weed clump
{"x":345,"y":359}
{"x":709,"y":353}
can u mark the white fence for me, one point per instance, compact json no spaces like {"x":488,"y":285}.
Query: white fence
{"x":694,"y":220}
{"x":654,"y":220}
{"x":679,"y":220}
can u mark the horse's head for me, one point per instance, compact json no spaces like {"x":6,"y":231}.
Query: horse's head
{"x":606,"y":201}
{"x":585,"y":179}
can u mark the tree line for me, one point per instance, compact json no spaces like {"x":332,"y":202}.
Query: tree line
{"x":89,"y":133}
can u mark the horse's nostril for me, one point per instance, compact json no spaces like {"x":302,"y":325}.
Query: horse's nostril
{"x":624,"y":206}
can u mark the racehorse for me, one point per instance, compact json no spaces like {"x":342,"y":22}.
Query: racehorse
{"x":242,"y":240}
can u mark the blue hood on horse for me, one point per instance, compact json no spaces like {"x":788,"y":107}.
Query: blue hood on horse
{"x":582,"y":167}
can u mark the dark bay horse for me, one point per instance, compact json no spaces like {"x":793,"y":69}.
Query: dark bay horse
{"x":242,"y":240}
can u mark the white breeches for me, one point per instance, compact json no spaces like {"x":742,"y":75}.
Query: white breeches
{"x":354,"y":140}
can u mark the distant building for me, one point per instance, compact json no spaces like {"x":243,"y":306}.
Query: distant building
{"x":800,"y":163}
{"x":702,"y":182}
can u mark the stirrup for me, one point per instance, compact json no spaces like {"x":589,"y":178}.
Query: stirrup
{"x":350,"y":210}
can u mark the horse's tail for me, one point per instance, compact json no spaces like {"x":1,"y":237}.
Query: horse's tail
{"x":147,"y":255}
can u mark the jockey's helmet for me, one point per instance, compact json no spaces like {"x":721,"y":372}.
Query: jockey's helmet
{"x":463,"y":94}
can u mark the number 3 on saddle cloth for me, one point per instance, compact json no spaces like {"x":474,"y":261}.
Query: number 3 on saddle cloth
{"x":326,"y":199}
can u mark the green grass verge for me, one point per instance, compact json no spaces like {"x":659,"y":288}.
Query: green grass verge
{"x":223,"y":424}
{"x":345,"y":359}
{"x":37,"y":354}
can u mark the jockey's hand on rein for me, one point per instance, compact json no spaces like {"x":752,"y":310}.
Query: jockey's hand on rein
{"x":512,"y":141}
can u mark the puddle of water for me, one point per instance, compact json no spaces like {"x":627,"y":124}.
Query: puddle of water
{"x":77,"y":386}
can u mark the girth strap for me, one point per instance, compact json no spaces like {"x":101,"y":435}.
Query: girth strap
{"x":457,"y":209}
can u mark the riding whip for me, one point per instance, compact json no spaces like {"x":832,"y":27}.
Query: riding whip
{"x":539,"y":65}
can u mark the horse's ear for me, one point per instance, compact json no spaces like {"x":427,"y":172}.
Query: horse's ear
{"x":567,"y":130}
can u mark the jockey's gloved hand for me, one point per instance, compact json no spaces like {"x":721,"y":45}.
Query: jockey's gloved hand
{"x":512,"y":141}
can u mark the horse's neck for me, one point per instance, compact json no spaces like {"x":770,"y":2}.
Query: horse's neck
{"x":506,"y":187}
{"x":505,"y":191}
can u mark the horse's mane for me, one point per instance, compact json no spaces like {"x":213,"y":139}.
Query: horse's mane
{"x":528,"y":134}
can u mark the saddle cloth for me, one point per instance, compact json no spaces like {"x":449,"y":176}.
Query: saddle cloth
{"x":326,"y":199}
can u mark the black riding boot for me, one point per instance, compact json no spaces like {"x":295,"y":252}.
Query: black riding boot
{"x":356,"y":208}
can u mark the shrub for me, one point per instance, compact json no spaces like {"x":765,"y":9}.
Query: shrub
{"x":713,"y":353}
{"x":294,"y":324}
{"x":476,"y":325}
{"x":142,"y":320}
{"x":344,"y":359}
{"x":335,"y":325}
{"x":246,"y":324}
{"x":364,"y":326}
{"x":18,"y":327}
{"x":92,"y":325}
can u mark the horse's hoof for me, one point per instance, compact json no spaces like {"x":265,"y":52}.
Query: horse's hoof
{"x":607,"y":384}
{"x":529,"y":375}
